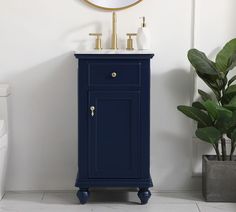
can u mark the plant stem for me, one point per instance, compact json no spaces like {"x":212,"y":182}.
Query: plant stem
{"x":216,"y":147}
{"x":223,"y":146}
{"x":233,"y":146}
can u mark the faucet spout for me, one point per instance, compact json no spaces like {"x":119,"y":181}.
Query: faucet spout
{"x":114,"y":32}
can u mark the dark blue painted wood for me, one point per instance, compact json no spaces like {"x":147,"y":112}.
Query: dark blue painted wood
{"x":114,"y":146}
{"x":114,"y":134}
{"x":83,"y":195}
{"x":144,"y":194}
{"x":92,"y":182}
{"x":127,"y":73}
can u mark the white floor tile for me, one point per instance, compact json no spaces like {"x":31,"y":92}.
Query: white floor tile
{"x":22,"y":208}
{"x":21,"y":202}
{"x":67,"y":197}
{"x":23,"y":197}
{"x":109,"y":201}
{"x":147,"y":208}
{"x":102,"y":208}
{"x":173,"y":197}
{"x":217,"y":207}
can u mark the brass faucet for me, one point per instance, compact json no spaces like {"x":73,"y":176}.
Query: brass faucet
{"x":114,"y":32}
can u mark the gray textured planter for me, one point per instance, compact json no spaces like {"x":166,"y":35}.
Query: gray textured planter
{"x":218,"y":179}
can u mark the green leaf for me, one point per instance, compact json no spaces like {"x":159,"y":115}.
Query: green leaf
{"x":200,"y":125}
{"x":205,"y":96}
{"x":198,"y":105}
{"x":211,"y":83}
{"x":232,"y":62}
{"x":232,"y":125}
{"x":224,"y":119}
{"x":216,"y":111}
{"x":209,"y":134}
{"x":224,"y":113}
{"x":220,"y":83}
{"x":229,"y":93}
{"x":232,"y":104}
{"x":195,"y":114}
{"x":221,"y":116}
{"x":231,"y":107}
{"x":226,"y":99}
{"x":232,"y":80}
{"x":231,"y":89}
{"x":225,"y":80}
{"x":201,"y":63}
{"x":223,"y":57}
{"x":211,"y":108}
{"x":233,"y":121}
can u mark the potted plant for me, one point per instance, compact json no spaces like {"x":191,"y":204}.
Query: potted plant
{"x":215,"y":115}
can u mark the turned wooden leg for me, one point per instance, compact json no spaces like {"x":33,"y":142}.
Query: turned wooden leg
{"x":144,"y":194}
{"x":83,"y":195}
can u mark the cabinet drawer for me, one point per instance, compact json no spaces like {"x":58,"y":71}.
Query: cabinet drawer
{"x":124,"y":74}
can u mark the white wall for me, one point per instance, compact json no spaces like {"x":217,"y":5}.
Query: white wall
{"x":36,"y":43}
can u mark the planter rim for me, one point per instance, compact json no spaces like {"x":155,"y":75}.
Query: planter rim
{"x":214,"y":160}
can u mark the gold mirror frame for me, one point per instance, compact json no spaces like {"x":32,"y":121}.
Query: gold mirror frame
{"x":112,"y":9}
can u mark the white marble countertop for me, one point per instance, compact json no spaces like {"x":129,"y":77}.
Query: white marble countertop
{"x":110,"y":51}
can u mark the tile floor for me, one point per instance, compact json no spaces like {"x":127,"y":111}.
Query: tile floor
{"x":109,"y":201}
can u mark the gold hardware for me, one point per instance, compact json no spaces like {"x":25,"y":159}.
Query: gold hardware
{"x":98,"y":44}
{"x":114,"y":31}
{"x":130,"y":41}
{"x":113,"y":74}
{"x":111,"y":8}
{"x":92,"y":108}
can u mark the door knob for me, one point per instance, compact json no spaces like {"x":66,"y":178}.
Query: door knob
{"x":113,"y":74}
{"x":92,"y":109}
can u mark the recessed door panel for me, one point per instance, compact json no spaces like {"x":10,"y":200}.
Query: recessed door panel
{"x":114,"y":134}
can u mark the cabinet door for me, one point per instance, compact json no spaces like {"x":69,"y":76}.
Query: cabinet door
{"x":114,"y":134}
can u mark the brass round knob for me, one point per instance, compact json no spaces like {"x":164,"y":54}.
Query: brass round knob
{"x":113,"y":74}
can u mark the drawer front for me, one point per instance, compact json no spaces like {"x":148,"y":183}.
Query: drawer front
{"x":113,"y":74}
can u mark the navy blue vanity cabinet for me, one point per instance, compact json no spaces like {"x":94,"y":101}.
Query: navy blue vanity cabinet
{"x":114,"y":122}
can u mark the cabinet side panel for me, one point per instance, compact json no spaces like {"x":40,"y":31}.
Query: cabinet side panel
{"x":145,"y":118}
{"x":82,"y":117}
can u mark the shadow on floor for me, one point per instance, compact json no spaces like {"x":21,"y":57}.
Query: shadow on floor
{"x":96,"y":197}
{"x":193,"y":196}
{"x":113,"y":196}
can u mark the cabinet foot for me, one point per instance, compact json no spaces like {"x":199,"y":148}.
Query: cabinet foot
{"x":83,"y":195}
{"x":144,"y":194}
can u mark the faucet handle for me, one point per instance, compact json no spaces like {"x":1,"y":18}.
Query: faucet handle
{"x":130,"y":41}
{"x":98,"y":44}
